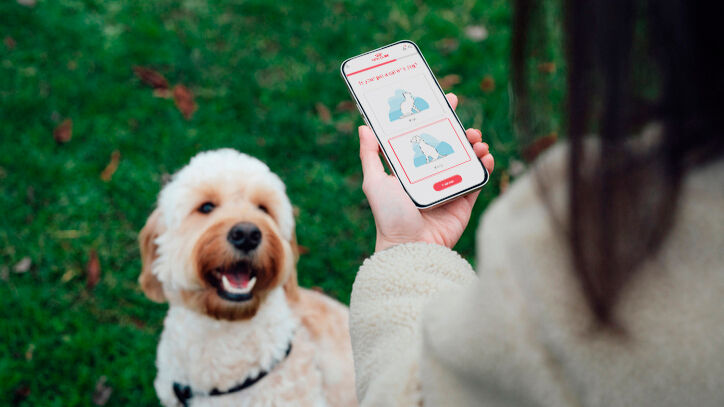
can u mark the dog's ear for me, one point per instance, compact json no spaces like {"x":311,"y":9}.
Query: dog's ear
{"x":149,"y":283}
{"x":291,"y":286}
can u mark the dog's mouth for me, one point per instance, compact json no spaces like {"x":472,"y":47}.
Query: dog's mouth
{"x":235,"y":282}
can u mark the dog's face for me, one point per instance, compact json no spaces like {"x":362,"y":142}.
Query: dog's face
{"x":221,"y":238}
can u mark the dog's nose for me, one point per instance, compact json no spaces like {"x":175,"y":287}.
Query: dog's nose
{"x":244,"y":236}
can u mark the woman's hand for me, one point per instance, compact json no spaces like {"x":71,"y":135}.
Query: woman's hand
{"x":396,"y":217}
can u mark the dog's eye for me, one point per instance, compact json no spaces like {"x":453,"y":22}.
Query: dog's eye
{"x":206,"y":207}
{"x":263,"y":209}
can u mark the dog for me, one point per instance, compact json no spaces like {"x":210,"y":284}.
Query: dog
{"x":220,"y":248}
{"x":430,"y":152}
{"x":408,"y":104}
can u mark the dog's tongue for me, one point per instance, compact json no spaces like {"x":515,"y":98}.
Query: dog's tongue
{"x":238,"y":279}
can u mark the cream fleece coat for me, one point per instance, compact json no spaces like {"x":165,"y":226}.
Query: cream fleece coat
{"x":425,"y":329}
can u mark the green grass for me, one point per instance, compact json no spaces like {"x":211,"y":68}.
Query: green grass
{"x":258,"y":70}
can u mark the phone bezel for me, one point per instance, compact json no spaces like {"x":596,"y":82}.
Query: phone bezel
{"x":382,"y":147}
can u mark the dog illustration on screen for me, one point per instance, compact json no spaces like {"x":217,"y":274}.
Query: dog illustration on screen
{"x":404,"y":104}
{"x":428,"y":149}
{"x":407,"y":107}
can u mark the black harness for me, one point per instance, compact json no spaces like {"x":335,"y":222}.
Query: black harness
{"x":184,"y":392}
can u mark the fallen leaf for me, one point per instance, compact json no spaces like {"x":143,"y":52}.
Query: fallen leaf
{"x":184,"y":100}
{"x":63,"y":132}
{"x":534,"y":149}
{"x":163,"y":93}
{"x":29,"y":352}
{"x":317,"y":289}
{"x":448,"y":45}
{"x":346,"y":106}
{"x":296,"y":211}
{"x":547,"y":67}
{"x":476,"y":33}
{"x":68,"y":275}
{"x":102,"y":392}
{"x":504,"y":181}
{"x":21,"y":393}
{"x":487,"y":85}
{"x":27,"y":3}
{"x":4,"y":273}
{"x":345,"y":126}
{"x":150,"y":77}
{"x":111,"y":167}
{"x":302,"y":249}
{"x":323,"y":112}
{"x":448,"y":81}
{"x":71,"y":65}
{"x":23,"y":265}
{"x":9,"y":42}
{"x":92,"y":270}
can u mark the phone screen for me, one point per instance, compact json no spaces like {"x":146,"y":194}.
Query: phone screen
{"x":420,"y":134}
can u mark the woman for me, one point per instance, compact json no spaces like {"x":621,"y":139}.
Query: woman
{"x":600,"y":274}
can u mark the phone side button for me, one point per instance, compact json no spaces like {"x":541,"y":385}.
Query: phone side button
{"x":447,"y":182}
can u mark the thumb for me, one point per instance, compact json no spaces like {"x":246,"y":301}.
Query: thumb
{"x":369,"y":153}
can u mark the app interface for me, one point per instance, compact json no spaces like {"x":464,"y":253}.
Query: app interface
{"x":410,"y":115}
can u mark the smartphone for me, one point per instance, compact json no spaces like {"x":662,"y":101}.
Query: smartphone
{"x":420,"y":134}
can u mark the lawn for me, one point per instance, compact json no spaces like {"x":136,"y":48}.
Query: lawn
{"x":265,"y":78}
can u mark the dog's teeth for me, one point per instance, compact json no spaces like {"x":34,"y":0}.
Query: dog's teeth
{"x":237,"y":290}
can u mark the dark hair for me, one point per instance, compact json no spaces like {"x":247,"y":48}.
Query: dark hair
{"x":629,"y":64}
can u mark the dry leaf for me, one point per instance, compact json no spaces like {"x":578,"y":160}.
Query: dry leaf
{"x":487,"y":85}
{"x":23,"y":265}
{"x":4,"y":273}
{"x":323,"y":112}
{"x":448,"y":45}
{"x":504,"y":181}
{"x":547,"y":67}
{"x":163,"y":93}
{"x":296,"y":211}
{"x":27,"y":3}
{"x":345,"y":126}
{"x":150,"y":77}
{"x":29,"y":352}
{"x":21,"y":393}
{"x":92,"y":270}
{"x":63,"y":132}
{"x":111,"y":167}
{"x":67,"y":276}
{"x":302,"y":249}
{"x":184,"y":100}
{"x":102,"y":392}
{"x":476,"y":33}
{"x":346,"y":106}
{"x":9,"y":42}
{"x":534,"y":149}
{"x":448,"y":81}
{"x":317,"y":289}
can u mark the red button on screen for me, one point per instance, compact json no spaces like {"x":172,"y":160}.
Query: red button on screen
{"x":447,"y":182}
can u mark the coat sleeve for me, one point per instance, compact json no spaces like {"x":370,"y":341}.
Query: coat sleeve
{"x":388,"y":296}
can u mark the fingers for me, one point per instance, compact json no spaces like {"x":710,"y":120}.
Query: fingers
{"x":474,"y":135}
{"x":369,"y":153}
{"x":452,"y":99}
{"x":481,"y":149}
{"x":489,"y":162}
